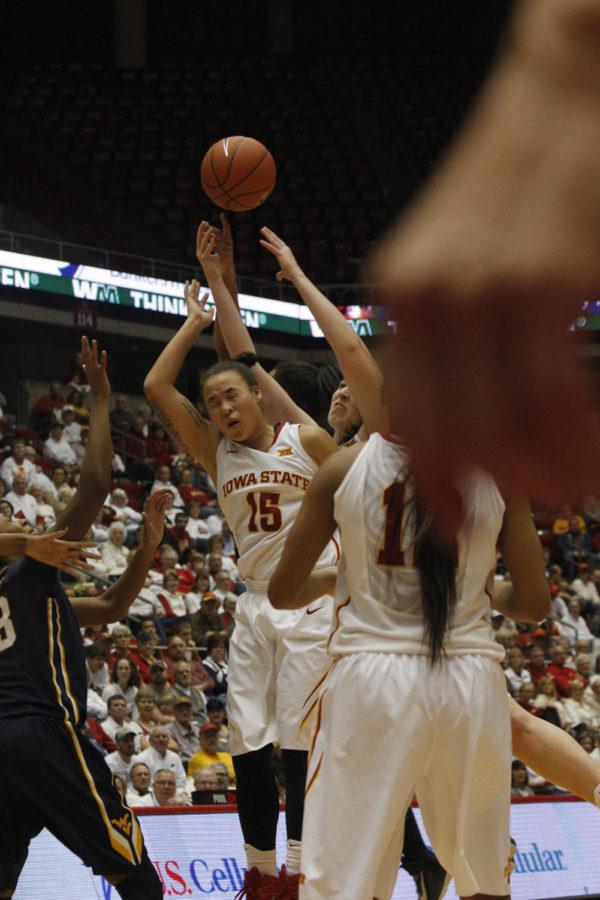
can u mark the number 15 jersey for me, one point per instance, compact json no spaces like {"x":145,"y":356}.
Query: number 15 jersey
{"x":260,"y":493}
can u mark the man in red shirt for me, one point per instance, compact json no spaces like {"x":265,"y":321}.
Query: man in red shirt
{"x":562,"y":675}
{"x":536,"y":666}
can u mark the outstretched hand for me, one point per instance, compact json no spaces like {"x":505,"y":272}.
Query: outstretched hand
{"x":289,"y":268}
{"x":207,"y":253}
{"x":64,"y":555}
{"x":196,"y":304}
{"x":94,"y":368}
{"x":154,"y":517}
{"x":224,"y":242}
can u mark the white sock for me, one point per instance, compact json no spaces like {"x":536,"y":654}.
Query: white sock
{"x":292,"y":857}
{"x":263,"y":860}
{"x":597,"y":795}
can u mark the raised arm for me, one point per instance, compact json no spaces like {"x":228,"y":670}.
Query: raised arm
{"x":224,"y":241}
{"x":174,"y":411}
{"x":114,"y":603}
{"x":293,"y":583}
{"x":526,"y":597}
{"x":360,"y":371}
{"x":94,"y":478}
{"x":278,"y":406}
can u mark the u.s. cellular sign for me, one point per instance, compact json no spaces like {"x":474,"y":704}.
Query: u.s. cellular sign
{"x":156,"y":295}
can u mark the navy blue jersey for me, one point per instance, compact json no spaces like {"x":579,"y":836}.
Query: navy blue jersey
{"x":42,"y":663}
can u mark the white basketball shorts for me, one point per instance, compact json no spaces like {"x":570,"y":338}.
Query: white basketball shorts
{"x":390,"y":726}
{"x":276,"y":658}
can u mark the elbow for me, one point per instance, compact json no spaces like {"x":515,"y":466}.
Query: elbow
{"x":150,"y":387}
{"x":536,"y":604}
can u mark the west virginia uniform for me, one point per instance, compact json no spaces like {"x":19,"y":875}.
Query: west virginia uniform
{"x":51,"y":776}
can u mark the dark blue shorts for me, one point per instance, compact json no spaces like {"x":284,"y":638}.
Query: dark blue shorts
{"x":52,"y":777}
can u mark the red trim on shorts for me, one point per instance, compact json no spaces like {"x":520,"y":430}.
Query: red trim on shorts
{"x":337,"y":619}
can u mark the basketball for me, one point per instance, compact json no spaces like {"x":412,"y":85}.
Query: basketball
{"x":238,"y":173}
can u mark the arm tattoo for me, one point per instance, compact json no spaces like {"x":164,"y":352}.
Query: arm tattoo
{"x":193,"y":412}
{"x":169,"y":427}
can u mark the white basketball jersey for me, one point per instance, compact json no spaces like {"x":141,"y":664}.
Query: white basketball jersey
{"x":378,"y":596}
{"x":260,"y":492}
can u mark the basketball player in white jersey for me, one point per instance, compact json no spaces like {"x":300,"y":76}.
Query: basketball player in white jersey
{"x":413,"y":622}
{"x":262,"y":475}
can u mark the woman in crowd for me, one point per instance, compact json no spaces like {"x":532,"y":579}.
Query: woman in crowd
{"x":215,"y":663}
{"x":519,"y":785}
{"x":114,"y":552}
{"x":124,"y":682}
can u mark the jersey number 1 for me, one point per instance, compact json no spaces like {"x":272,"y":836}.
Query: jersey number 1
{"x":7,"y":629}
{"x":391,"y":553}
{"x":265,"y":515}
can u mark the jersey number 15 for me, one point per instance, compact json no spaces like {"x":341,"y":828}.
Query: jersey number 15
{"x":265,"y":515}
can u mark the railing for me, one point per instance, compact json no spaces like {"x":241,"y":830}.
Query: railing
{"x":116,"y":261}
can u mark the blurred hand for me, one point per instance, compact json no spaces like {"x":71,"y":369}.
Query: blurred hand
{"x":289,"y":268}
{"x":95,"y":370}
{"x":224,"y":242}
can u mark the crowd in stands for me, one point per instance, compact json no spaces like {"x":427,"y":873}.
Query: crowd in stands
{"x":158,"y":679}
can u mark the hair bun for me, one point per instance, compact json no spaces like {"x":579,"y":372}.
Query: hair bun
{"x":246,"y":359}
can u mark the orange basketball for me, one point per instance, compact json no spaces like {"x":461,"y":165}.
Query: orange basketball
{"x":238,"y":173}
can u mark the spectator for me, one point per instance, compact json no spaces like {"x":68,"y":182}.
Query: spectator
{"x":166,"y":790}
{"x":96,"y":707}
{"x":216,"y":562}
{"x":196,"y":526}
{"x":97,"y":669}
{"x":158,"y":447}
{"x":183,"y":687}
{"x":573,"y":626}
{"x":146,"y":708}
{"x":172,"y":602}
{"x":179,"y":538}
{"x":6,"y":509}
{"x":145,"y":413}
{"x":578,"y":713}
{"x":547,"y":701}
{"x":121,"y":635}
{"x":177,"y":652}
{"x":584,"y":587}
{"x":146,"y":604}
{"x":189,"y":492}
{"x":157,"y":756}
{"x":145,"y":654}
{"x":16,"y":464}
{"x":591,"y":698}
{"x":45,"y":516}
{"x":216,"y":715}
{"x":206,"y":621}
{"x":182,"y":729}
{"x":228,"y":614}
{"x":123,"y":683}
{"x":536,"y":666}
{"x":205,"y":779}
{"x":163,"y":481}
{"x":222,"y":773}
{"x":159,"y":683}
{"x":121,"y":417}
{"x":562,"y":674}
{"x":139,"y":791}
{"x":23,"y":504}
{"x":82,"y":413}
{"x":167,"y":559}
{"x":583,"y":667}
{"x":520,"y":780}
{"x":117,"y":718}
{"x":200,"y":587}
{"x":72,"y":429}
{"x":123,"y":758}
{"x":114,"y":552}
{"x":526,"y":695}
{"x":229,"y":548}
{"x":215,"y":663}
{"x":222,"y":589}
{"x":516,"y":674}
{"x":574,"y":547}
{"x":209,"y":754}
{"x":53,"y":484}
{"x":563,"y":521}
{"x":130,"y":517}
{"x":57,"y":447}
{"x":48,"y":407}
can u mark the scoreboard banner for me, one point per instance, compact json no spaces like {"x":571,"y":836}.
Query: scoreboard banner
{"x":198,"y":854}
{"x":156,"y":295}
